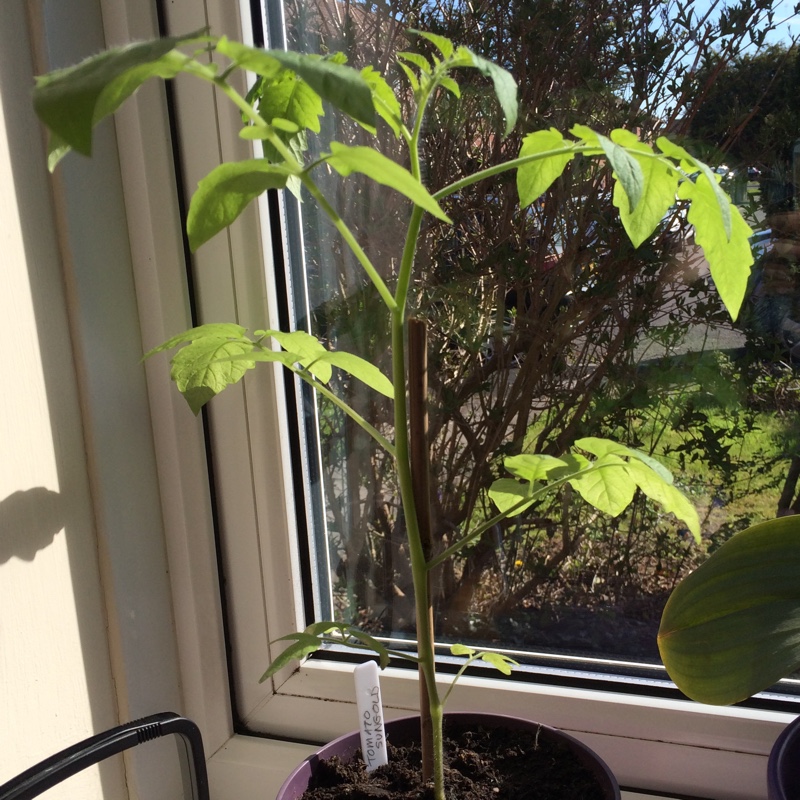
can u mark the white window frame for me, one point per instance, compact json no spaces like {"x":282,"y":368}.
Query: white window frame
{"x":651,"y":744}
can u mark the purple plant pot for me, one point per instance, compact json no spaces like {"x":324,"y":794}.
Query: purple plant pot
{"x":783,"y":767}
{"x":406,"y":730}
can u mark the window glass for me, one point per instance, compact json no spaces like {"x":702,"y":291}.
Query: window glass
{"x":547,"y":325}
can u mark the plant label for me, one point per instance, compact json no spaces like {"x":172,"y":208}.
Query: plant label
{"x":370,"y":715}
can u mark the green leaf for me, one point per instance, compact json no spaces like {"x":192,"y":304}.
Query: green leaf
{"x":253,"y":59}
{"x":71,"y":101}
{"x":461,"y":650}
{"x":729,"y":256}
{"x":286,"y":96}
{"x":203,"y":368}
{"x":442,"y":44}
{"x":732,"y":627}
{"x":419,"y":61}
{"x":505,"y":87}
{"x":627,"y":171}
{"x":359,"y":368}
{"x":601,"y":447}
{"x":450,"y":85}
{"x":346,"y":160}
{"x":303,"y":644}
{"x":307,"y":350}
{"x":372,"y":643}
{"x":386,"y":103}
{"x":658,"y":190}
{"x":226,"y":191}
{"x":532,"y":466}
{"x":536,"y":177}
{"x":668,"y":496}
{"x":607,"y":486}
{"x":226,"y":330}
{"x":500,"y":662}
{"x":340,"y":85}
{"x":506,"y":493}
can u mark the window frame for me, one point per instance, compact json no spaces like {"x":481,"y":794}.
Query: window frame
{"x":655,"y":744}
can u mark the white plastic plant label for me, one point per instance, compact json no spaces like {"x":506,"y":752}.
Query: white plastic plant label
{"x":370,"y":715}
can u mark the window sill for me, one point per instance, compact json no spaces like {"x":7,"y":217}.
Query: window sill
{"x":251,"y":768}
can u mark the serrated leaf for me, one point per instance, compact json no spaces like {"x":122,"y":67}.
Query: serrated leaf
{"x":227,"y":330}
{"x":658,"y":194}
{"x":332,"y":80}
{"x":732,"y":627}
{"x":419,"y":61}
{"x":729,"y":257}
{"x":303,"y":645}
{"x":412,"y":78}
{"x":359,"y":368}
{"x":71,"y":101}
{"x":384,"y":99}
{"x":461,"y":650}
{"x":442,"y":44}
{"x":607,"y":486}
{"x":536,"y":177}
{"x":505,"y":88}
{"x":225,"y":192}
{"x":586,"y":135}
{"x":307,"y":350}
{"x":671,"y":499}
{"x":203,"y":368}
{"x":285,"y":96}
{"x":346,"y":160}
{"x":451,"y":86}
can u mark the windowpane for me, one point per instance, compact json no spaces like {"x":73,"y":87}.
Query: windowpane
{"x":547,"y":325}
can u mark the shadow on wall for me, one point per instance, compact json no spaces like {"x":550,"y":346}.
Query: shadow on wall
{"x":29,"y":521}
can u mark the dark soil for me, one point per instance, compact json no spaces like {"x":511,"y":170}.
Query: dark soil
{"x":480,"y":764}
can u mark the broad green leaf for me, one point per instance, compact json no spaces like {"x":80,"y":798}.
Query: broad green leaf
{"x":386,"y":103}
{"x":225,"y":192}
{"x":536,"y":177}
{"x":285,"y":96}
{"x":688,"y":163}
{"x":461,"y":650}
{"x":307,"y":350}
{"x":506,"y":494}
{"x":203,"y":368}
{"x":586,"y":135}
{"x":627,"y":171}
{"x":340,"y":85}
{"x":672,"y":500}
{"x":346,"y":160}
{"x":505,"y":88}
{"x":658,"y":193}
{"x":601,"y":447}
{"x":72,"y":101}
{"x":729,"y":256}
{"x":226,"y":330}
{"x":303,"y":644}
{"x":500,"y":662}
{"x":532,"y":466}
{"x":442,"y":44}
{"x":607,"y":486}
{"x":732,"y":627}
{"x":359,"y":368}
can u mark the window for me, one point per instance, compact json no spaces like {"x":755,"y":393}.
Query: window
{"x":563,"y":244}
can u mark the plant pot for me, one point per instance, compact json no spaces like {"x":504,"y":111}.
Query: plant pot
{"x":783,"y":767}
{"x":406,"y":731}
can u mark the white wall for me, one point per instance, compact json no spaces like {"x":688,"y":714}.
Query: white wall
{"x":87,"y":636}
{"x":55,"y":673}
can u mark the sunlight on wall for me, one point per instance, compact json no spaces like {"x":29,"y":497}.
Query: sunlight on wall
{"x":55,"y":675}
